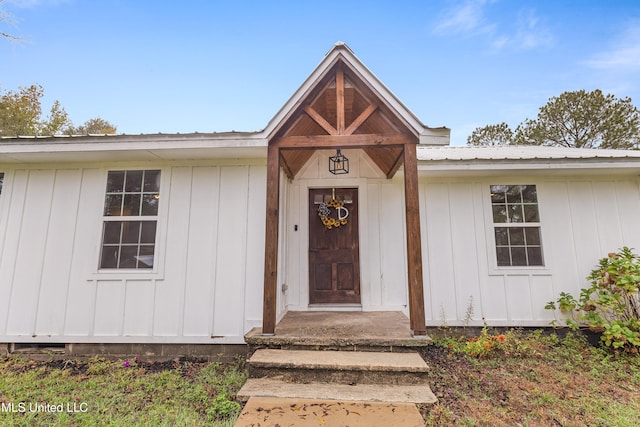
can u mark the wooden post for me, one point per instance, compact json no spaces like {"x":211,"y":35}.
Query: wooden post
{"x":414,"y":246}
{"x":271,"y":242}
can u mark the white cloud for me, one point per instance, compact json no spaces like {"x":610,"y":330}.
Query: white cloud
{"x":469,"y":18}
{"x":624,"y":54}
{"x":528,"y":33}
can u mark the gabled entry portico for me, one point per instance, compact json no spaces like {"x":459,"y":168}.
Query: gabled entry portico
{"x":343,"y":106}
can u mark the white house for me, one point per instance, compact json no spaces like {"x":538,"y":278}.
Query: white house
{"x":197,"y":238}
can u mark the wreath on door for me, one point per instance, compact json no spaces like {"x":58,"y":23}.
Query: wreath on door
{"x":325,"y":213}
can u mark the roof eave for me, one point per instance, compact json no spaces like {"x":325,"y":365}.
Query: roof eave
{"x":564,"y":165}
{"x":132,"y":147}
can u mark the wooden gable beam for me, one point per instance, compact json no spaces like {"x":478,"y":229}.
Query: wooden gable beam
{"x":294,"y":160}
{"x":396,"y":165}
{"x":361,"y":119}
{"x":343,"y":141}
{"x":340,"y":126}
{"x":320,"y":120}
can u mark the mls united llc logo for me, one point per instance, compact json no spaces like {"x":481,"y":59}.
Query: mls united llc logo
{"x":22,"y":407}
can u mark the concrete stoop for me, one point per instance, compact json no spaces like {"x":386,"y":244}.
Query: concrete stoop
{"x":338,"y":375}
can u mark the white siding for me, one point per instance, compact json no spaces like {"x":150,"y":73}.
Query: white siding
{"x":207,"y":285}
{"x":210,"y":248}
{"x":582,"y":219}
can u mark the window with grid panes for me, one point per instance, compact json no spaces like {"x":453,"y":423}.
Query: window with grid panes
{"x":130,"y":219}
{"x":516,"y":222}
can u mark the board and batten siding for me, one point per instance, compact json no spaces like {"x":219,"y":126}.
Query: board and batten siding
{"x":209,"y":258}
{"x":582,"y":219}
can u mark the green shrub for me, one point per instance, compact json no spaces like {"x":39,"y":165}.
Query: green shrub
{"x":611,"y":305}
{"x":222,"y":408}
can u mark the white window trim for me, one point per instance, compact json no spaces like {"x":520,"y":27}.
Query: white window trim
{"x":155,"y":273}
{"x":493,"y":268}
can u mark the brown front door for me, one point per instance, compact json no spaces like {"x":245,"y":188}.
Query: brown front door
{"x":334,"y":265}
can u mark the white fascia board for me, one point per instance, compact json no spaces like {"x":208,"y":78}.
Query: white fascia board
{"x":135,"y":147}
{"x":435,"y":136}
{"x":566,"y":166}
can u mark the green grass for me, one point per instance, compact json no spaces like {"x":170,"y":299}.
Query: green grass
{"x":107,"y":393}
{"x":527,"y":379}
{"x":532,"y":379}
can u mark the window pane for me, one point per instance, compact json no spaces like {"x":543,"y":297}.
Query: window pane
{"x":518,"y":256}
{"x":133,"y":182}
{"x":129,"y":242}
{"x":111,"y":232}
{"x":532,"y":234}
{"x":150,"y":204}
{"x":131,"y":232}
{"x":529,"y":194}
{"x":109,"y":257}
{"x":131,"y":205}
{"x":497,"y":193}
{"x":515,"y":213}
{"x":499,"y":213}
{"x":115,"y":182}
{"x":501,"y":236}
{"x":516,"y":236}
{"x":128,"y":257}
{"x":516,"y":245}
{"x":151,"y":181}
{"x":148,"y":234}
{"x":113,"y":205}
{"x":502,"y":255}
{"x":1,"y":181}
{"x":535,"y":255}
{"x":531,"y":213}
{"x":145,"y":260}
{"x":514,"y":194}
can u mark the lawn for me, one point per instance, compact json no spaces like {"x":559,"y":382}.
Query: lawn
{"x":531,"y":379}
{"x":520,"y":379}
{"x":127,"y":393}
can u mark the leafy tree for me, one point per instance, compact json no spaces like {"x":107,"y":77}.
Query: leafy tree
{"x":57,"y":122}
{"x":95,"y":126}
{"x":574,"y":119}
{"x":500,"y":134}
{"x":20,"y":111}
{"x":21,"y":115}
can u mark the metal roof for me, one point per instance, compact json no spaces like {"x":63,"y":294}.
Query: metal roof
{"x":519,"y":152}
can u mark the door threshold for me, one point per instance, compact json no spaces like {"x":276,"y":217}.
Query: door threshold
{"x":335,"y":307}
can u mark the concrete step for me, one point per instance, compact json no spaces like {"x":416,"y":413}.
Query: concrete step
{"x":338,"y":340}
{"x":277,"y":387}
{"x":273,"y":411}
{"x":344,"y":367}
{"x":339,"y":360}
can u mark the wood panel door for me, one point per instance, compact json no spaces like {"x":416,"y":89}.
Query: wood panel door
{"x":334,"y":262}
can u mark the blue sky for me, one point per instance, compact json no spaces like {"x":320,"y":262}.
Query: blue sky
{"x":170,"y":66}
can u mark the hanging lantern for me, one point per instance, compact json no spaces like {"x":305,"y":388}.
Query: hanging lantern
{"x":338,"y":164}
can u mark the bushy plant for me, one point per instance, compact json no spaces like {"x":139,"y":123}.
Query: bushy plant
{"x":611,"y":304}
{"x":223,"y":408}
{"x":485,"y":344}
